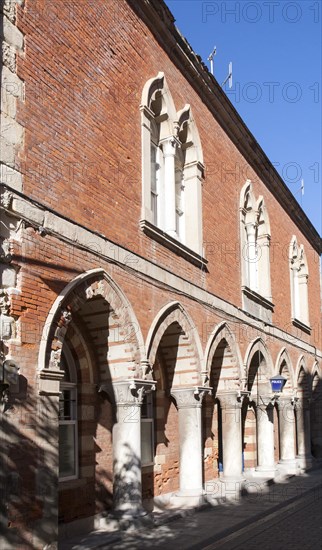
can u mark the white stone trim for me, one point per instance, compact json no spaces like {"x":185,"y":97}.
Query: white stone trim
{"x":12,"y":90}
{"x":300,"y":365}
{"x":173,"y":244}
{"x":299,"y":276}
{"x":222,"y":331}
{"x":284,"y":356}
{"x":177,"y":133}
{"x":255,"y":263}
{"x":42,"y":369}
{"x":259,"y":345}
{"x":161,"y":323}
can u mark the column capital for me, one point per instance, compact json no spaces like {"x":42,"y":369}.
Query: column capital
{"x":187,"y":398}
{"x":169,"y":146}
{"x":128,"y":392}
{"x":264,"y":401}
{"x":285,"y":401}
{"x":302,"y":403}
{"x":230,"y":399}
{"x":251,"y":227}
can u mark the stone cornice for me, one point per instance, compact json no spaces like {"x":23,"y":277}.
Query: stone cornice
{"x":158,"y":18}
{"x":172,"y":244}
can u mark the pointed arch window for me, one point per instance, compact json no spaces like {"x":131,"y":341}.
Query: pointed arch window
{"x":172,"y":172}
{"x":68,"y":426}
{"x":299,"y":275}
{"x":255,"y":259}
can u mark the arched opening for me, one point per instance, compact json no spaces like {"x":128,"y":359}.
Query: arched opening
{"x":92,"y":344}
{"x":90,"y":335}
{"x":222,"y":410}
{"x":258,"y":413}
{"x":316,"y":416}
{"x":173,"y":358}
{"x":285,"y":440}
{"x":224,"y":379}
{"x":303,"y":420}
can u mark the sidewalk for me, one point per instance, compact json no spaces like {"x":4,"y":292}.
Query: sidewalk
{"x":226,"y":514}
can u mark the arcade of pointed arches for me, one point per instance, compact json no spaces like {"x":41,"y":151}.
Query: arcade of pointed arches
{"x":168,"y":385}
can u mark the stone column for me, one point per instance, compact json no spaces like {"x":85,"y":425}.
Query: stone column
{"x":303,"y":433}
{"x":263,"y":243}
{"x":286,"y":419}
{"x":231,"y":436}
{"x":265,"y":436}
{"x":127,"y":486}
{"x":189,"y":402}
{"x":169,"y":152}
{"x":252,"y":257}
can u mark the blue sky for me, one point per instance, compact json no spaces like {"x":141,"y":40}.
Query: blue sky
{"x":275,"y":47}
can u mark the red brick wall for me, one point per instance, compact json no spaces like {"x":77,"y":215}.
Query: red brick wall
{"x":82,"y":158}
{"x":83,"y":86}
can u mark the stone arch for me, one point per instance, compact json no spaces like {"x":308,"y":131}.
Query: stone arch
{"x":264,"y":227}
{"x":255,"y":241}
{"x":157,"y":103}
{"x":259,"y":346}
{"x":222,"y":340}
{"x":285,"y":368}
{"x":316,"y":370}
{"x":174,"y":353}
{"x":259,"y":416}
{"x":223,"y":368}
{"x":175,"y":314}
{"x":84,"y":355}
{"x":189,"y":135}
{"x":302,"y":378}
{"x":76,"y":299}
{"x":247,"y":197}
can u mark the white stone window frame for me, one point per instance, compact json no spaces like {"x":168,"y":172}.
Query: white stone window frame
{"x":172,"y":125}
{"x":73,"y":421}
{"x":299,"y":277}
{"x":255,"y":238}
{"x":148,"y":420}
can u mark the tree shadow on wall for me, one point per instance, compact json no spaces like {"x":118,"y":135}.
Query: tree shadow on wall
{"x":28,"y":460}
{"x":126,"y":488}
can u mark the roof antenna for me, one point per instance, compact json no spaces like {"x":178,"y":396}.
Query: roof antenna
{"x":211,"y":59}
{"x":229,"y":77}
{"x":301,"y":189}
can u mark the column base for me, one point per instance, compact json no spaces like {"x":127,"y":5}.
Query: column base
{"x":232,"y":479}
{"x":288,"y":466}
{"x":128,"y":512}
{"x":232,"y":487}
{"x":305,"y":462}
{"x":188,"y":498}
{"x":265,"y":471}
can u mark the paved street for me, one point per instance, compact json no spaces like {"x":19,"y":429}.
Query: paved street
{"x":299,"y":526}
{"x":275,"y":517}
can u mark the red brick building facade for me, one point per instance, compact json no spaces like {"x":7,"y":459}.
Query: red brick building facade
{"x":156,"y":272}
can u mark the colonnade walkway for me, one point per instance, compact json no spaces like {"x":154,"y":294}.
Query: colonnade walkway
{"x":233,"y":513}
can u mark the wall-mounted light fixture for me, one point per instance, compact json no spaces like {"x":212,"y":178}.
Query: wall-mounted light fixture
{"x":277,"y":384}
